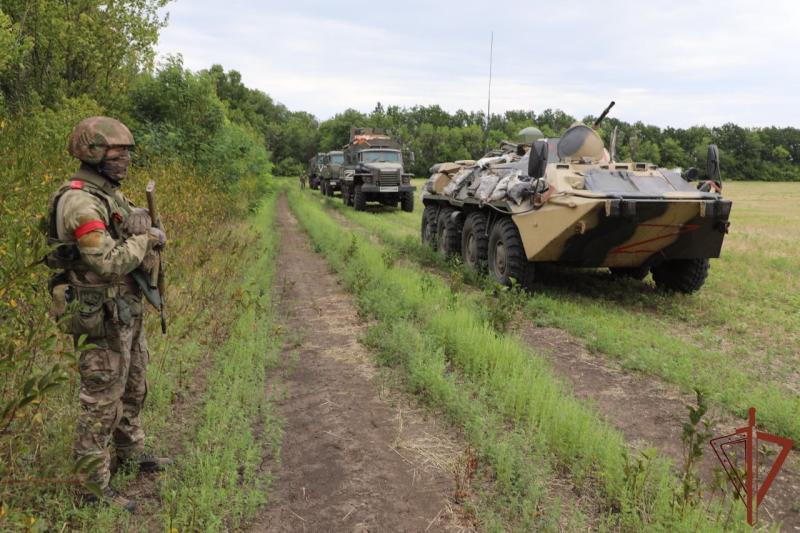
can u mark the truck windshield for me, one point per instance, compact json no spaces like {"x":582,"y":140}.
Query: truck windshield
{"x":337,"y":159}
{"x":380,"y":156}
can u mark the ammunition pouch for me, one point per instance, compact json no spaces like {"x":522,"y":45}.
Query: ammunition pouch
{"x":89,"y":316}
{"x":124,"y":311}
{"x":62,"y":295}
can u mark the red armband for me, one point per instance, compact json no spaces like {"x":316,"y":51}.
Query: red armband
{"x":88,"y":227}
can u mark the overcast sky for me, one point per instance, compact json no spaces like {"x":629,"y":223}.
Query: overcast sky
{"x":669,"y":63}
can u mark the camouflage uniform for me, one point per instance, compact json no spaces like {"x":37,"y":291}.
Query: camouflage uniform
{"x":89,"y":217}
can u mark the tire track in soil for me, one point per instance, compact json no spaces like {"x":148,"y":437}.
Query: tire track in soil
{"x":647,"y":410}
{"x":650,"y":413}
{"x":350,"y":460}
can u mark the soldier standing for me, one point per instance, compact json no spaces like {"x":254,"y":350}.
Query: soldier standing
{"x":100,"y":238}
{"x":303,"y":178}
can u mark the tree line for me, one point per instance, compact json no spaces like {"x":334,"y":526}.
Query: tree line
{"x":98,"y":55}
{"x":771,"y":153}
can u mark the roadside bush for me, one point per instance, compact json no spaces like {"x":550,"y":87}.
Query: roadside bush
{"x":289,"y":167}
{"x":177,"y":115}
{"x":38,"y":365}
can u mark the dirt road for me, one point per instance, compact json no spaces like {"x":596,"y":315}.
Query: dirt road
{"x":648,"y":411}
{"x":355,"y":456}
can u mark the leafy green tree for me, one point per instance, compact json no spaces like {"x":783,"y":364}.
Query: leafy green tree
{"x":650,"y":152}
{"x":335,"y":132}
{"x":672,"y":154}
{"x":70,"y":49}
{"x":179,"y":108}
{"x":779,"y":153}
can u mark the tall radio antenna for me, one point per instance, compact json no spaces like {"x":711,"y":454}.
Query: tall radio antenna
{"x":489,"y":99}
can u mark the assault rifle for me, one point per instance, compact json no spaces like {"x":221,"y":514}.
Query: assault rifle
{"x":152,"y":283}
{"x":157,"y":275}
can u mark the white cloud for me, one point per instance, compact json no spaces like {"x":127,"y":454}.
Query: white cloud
{"x":670,"y":63}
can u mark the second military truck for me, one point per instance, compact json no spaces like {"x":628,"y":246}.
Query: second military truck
{"x":314,"y":169}
{"x":331,"y":173}
{"x":373,"y":171}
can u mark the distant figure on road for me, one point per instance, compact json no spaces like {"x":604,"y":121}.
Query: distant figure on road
{"x":303,"y":179}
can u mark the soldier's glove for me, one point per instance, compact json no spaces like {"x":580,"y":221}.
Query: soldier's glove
{"x":138,"y":222}
{"x":157,"y":238}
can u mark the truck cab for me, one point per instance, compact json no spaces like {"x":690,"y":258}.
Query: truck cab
{"x":315,"y":170}
{"x":373,"y":171}
{"x":330,"y":180}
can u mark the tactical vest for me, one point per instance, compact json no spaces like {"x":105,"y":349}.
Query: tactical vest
{"x":65,"y":255}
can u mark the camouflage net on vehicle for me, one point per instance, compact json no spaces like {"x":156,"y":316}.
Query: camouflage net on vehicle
{"x":489,"y":180}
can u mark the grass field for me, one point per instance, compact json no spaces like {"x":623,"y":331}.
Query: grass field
{"x":493,"y":385}
{"x":206,"y":405}
{"x":736,"y":339}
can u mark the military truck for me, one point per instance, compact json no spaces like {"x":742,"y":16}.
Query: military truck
{"x":373,"y":171}
{"x":330,"y":175}
{"x":568,"y":202}
{"x":314,"y":169}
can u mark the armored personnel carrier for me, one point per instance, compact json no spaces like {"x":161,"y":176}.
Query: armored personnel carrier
{"x":330,"y":175}
{"x":373,"y":171}
{"x":314,"y":170}
{"x":567,"y":202}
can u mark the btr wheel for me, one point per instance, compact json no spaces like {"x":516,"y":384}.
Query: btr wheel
{"x":428,"y":230}
{"x":448,"y":232}
{"x":506,"y":255}
{"x":359,"y":200}
{"x":407,"y":201}
{"x":681,"y":275}
{"x":475,"y":242}
{"x":441,"y":226}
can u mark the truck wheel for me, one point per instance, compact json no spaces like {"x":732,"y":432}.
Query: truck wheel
{"x":359,"y":200}
{"x":428,"y":231}
{"x":637,"y":273}
{"x":475,"y":241}
{"x":407,"y":201}
{"x":448,"y":233}
{"x":329,"y":190}
{"x":506,"y":256}
{"x":347,"y":198}
{"x":681,"y":275}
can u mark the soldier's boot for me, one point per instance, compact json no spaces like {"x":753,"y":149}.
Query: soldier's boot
{"x":112,"y":498}
{"x":147,"y":462}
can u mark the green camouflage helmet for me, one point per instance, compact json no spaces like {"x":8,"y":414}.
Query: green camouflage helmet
{"x":530,"y":135}
{"x":90,"y":139}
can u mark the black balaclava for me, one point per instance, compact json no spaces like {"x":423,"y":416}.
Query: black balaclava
{"x":115,"y":169}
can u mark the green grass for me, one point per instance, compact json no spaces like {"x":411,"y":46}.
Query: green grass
{"x":455,"y":358}
{"x":735,"y":339}
{"x":218,"y":485}
{"x":210,"y":324}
